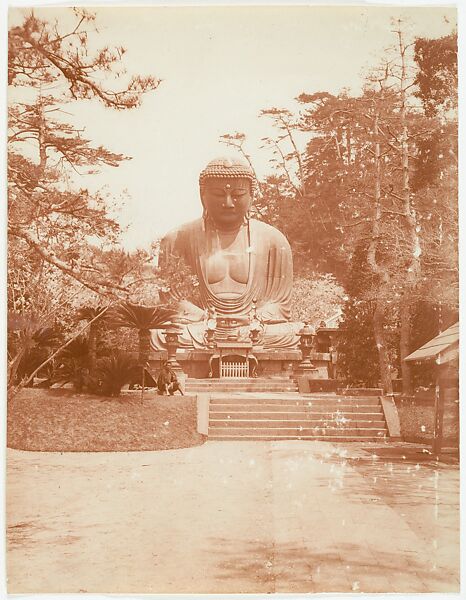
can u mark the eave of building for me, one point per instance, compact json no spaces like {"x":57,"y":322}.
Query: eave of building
{"x":442,"y":348}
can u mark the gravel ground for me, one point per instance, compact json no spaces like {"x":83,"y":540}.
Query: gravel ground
{"x":234,"y":517}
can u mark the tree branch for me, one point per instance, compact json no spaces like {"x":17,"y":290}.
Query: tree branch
{"x":101,"y":286}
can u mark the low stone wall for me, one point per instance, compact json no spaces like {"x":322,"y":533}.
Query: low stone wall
{"x":310,"y":386}
{"x":349,"y":391}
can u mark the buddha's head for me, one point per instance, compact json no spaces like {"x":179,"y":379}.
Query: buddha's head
{"x":227,"y":190}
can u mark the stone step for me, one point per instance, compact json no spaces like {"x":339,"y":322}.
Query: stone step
{"x":194,"y":391}
{"x":315,"y":438}
{"x":299,"y":417}
{"x":297,"y":423}
{"x":282,"y":406}
{"x":284,"y":412}
{"x":240,"y":381}
{"x":217,"y":380}
{"x":237,"y":383}
{"x":341,"y":398}
{"x":250,"y":390}
{"x":246,"y":397}
{"x":295,"y":416}
{"x":299,"y":431}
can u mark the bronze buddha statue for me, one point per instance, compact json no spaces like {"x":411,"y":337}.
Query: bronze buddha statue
{"x":244,"y":266}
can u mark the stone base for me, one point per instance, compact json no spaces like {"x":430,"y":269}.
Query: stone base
{"x":272,"y":363}
{"x":307,"y":372}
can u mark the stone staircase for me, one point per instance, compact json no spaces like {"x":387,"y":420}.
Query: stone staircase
{"x":283,"y":416}
{"x":240,"y":385}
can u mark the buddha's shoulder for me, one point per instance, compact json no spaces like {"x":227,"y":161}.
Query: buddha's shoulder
{"x":182,"y":232}
{"x":269,"y":232}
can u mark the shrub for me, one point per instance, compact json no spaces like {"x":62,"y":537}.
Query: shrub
{"x":41,"y":345}
{"x":112,"y":373}
{"x":73,"y":365}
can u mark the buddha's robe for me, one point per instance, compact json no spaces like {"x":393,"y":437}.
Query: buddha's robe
{"x":253,"y":267}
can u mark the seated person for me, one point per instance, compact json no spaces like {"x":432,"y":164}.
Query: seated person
{"x":167,"y":382}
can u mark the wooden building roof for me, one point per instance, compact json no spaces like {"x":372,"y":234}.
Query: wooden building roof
{"x":444,"y":347}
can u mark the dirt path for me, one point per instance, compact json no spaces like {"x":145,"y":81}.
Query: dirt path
{"x":230,"y":517}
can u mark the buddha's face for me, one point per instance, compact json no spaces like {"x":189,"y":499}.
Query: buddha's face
{"x":227,"y":200}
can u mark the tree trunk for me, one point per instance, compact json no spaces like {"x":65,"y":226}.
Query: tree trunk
{"x":413,"y":269}
{"x":297,"y":153}
{"x":379,"y":335}
{"x":13,"y":365}
{"x":143,"y":383}
{"x":405,"y":344}
{"x":144,"y":346}
{"x":42,"y":129}
{"x":93,"y":334}
{"x":378,"y":318}
{"x":144,"y":350}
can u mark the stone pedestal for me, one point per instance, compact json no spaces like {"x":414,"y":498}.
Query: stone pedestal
{"x":310,"y":372}
{"x":272,"y":363}
{"x":171,"y":338}
{"x":181,"y":376}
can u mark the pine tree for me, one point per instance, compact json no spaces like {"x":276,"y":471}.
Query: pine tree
{"x":357,"y":351}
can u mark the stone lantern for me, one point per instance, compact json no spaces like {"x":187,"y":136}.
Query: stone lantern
{"x":171,"y":337}
{"x":254,"y":333}
{"x":306,"y":343}
{"x":255,"y":330}
{"x":211,"y":328}
{"x":209,"y":337}
{"x":255,"y":325}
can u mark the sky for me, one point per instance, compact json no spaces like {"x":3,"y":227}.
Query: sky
{"x":220,"y":66}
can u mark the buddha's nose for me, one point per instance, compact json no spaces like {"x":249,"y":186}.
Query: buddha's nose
{"x":228,"y":202}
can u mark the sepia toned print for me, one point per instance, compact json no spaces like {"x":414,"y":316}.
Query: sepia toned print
{"x":233,"y":338}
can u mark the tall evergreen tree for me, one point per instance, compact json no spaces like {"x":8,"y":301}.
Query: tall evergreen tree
{"x":357,"y":349}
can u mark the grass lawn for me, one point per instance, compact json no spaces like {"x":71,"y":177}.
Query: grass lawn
{"x":59,"y":420}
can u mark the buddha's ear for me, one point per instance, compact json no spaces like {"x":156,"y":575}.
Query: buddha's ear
{"x":253,"y":192}
{"x":204,"y":209}
{"x":253,"y":198}
{"x":201,"y":195}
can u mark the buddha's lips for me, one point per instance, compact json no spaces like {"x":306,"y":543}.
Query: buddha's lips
{"x":229,"y":215}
